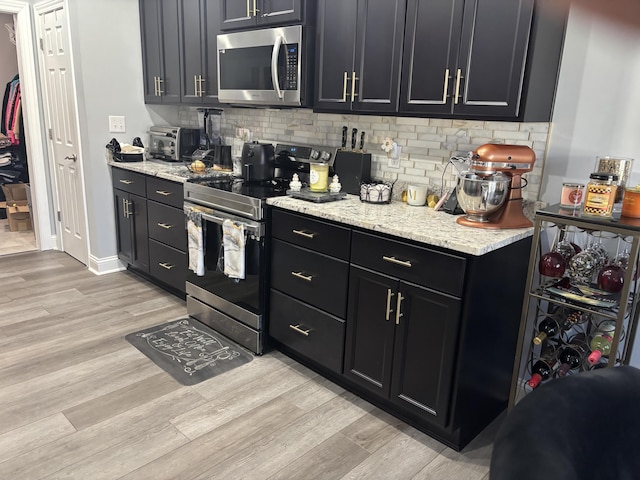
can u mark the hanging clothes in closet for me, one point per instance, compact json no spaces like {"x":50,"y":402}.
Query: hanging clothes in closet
{"x":12,"y":111}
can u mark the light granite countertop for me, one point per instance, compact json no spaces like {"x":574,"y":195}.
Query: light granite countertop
{"x":421,"y":224}
{"x":175,"y":171}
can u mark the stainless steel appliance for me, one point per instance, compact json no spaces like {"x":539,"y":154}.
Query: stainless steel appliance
{"x":237,"y":308}
{"x":266,"y":67}
{"x":173,"y":143}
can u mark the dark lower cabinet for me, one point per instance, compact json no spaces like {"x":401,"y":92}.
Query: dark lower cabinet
{"x":131,"y":227}
{"x":400,"y":342}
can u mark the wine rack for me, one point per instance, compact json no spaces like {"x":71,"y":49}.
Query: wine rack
{"x":582,"y":282}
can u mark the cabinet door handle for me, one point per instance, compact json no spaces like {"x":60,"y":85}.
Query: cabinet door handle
{"x":168,"y":266}
{"x":404,"y":263}
{"x":165,"y":225}
{"x":301,"y":276}
{"x":255,"y":9}
{"x":446,"y":86}
{"x":126,"y":182}
{"x":389,"y":295}
{"x":155,"y":86}
{"x":344,"y":86}
{"x":160,"y":91}
{"x":458,"y":77}
{"x":248,"y":8}
{"x":163,"y":193}
{"x":200,"y":82}
{"x":304,"y":234}
{"x":125,"y":210}
{"x":195,"y":85}
{"x":299,"y":330}
{"x":398,"y":305}
{"x":353,"y":85}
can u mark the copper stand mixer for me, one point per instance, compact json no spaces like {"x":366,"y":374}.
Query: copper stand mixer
{"x":494,"y":165}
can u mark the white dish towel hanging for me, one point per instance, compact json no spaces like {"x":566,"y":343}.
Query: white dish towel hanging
{"x":233,"y":240}
{"x":195,"y":242}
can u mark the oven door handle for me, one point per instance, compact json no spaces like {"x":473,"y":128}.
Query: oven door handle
{"x":254,"y":229}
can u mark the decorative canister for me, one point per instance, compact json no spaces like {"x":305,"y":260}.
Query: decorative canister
{"x":631,"y":202}
{"x":571,"y":196}
{"x":601,"y":194}
{"x":318,"y":176}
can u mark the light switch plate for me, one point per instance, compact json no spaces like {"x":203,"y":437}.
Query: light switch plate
{"x":116,"y":124}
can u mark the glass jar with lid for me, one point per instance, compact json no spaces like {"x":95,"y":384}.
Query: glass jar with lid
{"x":600,"y":194}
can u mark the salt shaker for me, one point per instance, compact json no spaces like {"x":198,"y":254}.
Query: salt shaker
{"x":335,"y":185}
{"x":295,"y":185}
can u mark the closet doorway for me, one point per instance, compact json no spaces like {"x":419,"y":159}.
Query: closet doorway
{"x":16,"y":227}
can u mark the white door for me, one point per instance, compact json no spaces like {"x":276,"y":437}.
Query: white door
{"x":61,"y":123}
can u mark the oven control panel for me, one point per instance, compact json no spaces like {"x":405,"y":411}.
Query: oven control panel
{"x":306,"y":153}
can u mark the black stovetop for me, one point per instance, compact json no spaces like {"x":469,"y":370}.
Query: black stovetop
{"x":263,"y":189}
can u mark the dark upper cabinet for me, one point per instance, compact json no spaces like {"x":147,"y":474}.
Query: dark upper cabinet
{"x":465,"y":58}
{"x":237,"y":14}
{"x":358,"y":56}
{"x":200,"y":24}
{"x":160,"y":50}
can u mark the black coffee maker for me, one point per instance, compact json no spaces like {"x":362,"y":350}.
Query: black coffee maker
{"x":257,"y":161}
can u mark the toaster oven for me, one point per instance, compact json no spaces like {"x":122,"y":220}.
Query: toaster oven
{"x":173,"y":143}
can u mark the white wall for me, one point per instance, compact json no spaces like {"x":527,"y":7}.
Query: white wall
{"x":107,"y":55}
{"x":597,"y":109}
{"x":8,"y":55}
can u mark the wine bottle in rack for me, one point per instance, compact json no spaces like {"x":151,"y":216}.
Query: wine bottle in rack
{"x":602,"y":341}
{"x":545,"y":366}
{"x":572,"y":354}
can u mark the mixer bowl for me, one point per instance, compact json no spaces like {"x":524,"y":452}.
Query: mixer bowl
{"x":480,"y":196}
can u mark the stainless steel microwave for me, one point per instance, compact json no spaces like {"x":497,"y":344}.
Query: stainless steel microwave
{"x":265,"y":67}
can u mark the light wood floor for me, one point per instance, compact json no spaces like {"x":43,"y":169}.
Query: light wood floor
{"x":15,"y":242}
{"x":78,"y":401}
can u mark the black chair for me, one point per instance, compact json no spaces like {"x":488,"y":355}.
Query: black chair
{"x":583,"y":426}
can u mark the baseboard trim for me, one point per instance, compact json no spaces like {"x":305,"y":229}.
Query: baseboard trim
{"x":102,"y":266}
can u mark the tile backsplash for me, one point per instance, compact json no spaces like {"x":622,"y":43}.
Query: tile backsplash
{"x":426,"y":144}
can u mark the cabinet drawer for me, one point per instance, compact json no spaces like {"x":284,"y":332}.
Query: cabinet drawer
{"x":307,"y":330}
{"x":311,"y":277}
{"x":314,"y":234}
{"x":165,"y":191}
{"x":168,"y":265}
{"x":440,"y":271}
{"x":128,"y":181}
{"x":167,"y":225}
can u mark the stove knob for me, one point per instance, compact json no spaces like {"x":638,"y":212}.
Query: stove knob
{"x":325,"y":156}
{"x":314,"y":154}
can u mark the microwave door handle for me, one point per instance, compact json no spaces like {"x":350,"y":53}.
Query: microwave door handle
{"x":274,"y":66}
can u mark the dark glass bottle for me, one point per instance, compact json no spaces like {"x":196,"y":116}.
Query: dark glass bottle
{"x":547,"y":328}
{"x":572,"y":355}
{"x":545,"y":366}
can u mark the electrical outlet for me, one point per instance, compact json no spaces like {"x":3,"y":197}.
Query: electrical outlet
{"x":393,"y":162}
{"x":116,"y":124}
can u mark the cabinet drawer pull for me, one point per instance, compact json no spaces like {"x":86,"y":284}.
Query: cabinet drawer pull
{"x":398,"y":305}
{"x":165,"y":225}
{"x":168,"y":266}
{"x":458,"y":77}
{"x":388,"y":312}
{"x":404,"y":263}
{"x":163,"y":193}
{"x":299,"y":330}
{"x":303,"y":277}
{"x":304,"y":234}
{"x":446,"y":86}
{"x":126,"y":182}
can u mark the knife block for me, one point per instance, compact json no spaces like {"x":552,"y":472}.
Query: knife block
{"x":352,"y":168}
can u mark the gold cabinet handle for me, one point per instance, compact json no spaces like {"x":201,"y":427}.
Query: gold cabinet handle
{"x":255,"y":9}
{"x":389,"y":295}
{"x":126,"y":182}
{"x":398,"y":312}
{"x":304,"y":234}
{"x":165,"y":225}
{"x":446,"y":86}
{"x":164,"y":193}
{"x":168,"y":266}
{"x":201,"y":80}
{"x":404,"y":263}
{"x":353,"y":85}
{"x":155,"y":86}
{"x":248,"y":8}
{"x":125,"y":209}
{"x":160,"y":91}
{"x":299,"y":330}
{"x":344,"y":86}
{"x":306,"y":278}
{"x":195,"y":85}
{"x":458,"y":77}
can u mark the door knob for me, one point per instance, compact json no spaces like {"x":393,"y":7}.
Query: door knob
{"x":71,"y":157}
